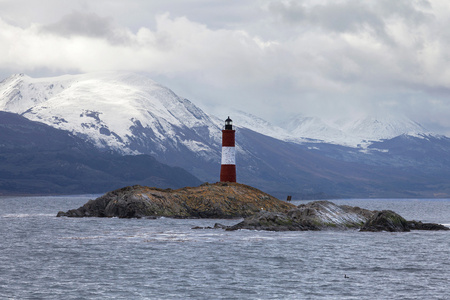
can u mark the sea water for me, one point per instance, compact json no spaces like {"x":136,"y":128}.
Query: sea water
{"x":45,"y":257}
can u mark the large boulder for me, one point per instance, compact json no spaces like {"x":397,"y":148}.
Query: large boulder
{"x":386,"y":220}
{"x":219,"y":200}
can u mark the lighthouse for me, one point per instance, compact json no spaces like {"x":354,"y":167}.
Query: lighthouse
{"x":228,"y":167}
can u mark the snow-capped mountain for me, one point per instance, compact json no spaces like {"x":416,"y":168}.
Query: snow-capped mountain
{"x":360,"y":131}
{"x":110,"y":108}
{"x":119,"y":111}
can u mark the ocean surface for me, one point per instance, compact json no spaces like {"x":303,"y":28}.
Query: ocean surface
{"x":44,"y":257}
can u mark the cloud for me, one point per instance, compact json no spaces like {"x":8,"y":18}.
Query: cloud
{"x":88,"y":25}
{"x":316,"y":57}
{"x":211,"y":59}
{"x":350,"y":16}
{"x":335,"y":16}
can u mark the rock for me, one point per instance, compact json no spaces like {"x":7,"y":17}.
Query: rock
{"x":219,"y":200}
{"x":202,"y":227}
{"x":317,"y":215}
{"x":220,"y":226}
{"x":325,"y":215}
{"x":386,"y":220}
{"x":216,"y":226}
{"x":364,"y":213}
{"x":272,"y":221}
{"x":417,"y":225}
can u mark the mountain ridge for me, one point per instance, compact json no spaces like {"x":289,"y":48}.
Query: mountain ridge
{"x":131,"y":114}
{"x":27,"y":96}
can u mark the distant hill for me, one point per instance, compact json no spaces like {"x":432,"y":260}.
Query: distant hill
{"x":38,"y":159}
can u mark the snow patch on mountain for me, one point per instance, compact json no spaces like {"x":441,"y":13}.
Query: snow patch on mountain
{"x":247,"y":120}
{"x":315,"y":129}
{"x":358,"y":132}
{"x":381,"y":127}
{"x":20,"y":92}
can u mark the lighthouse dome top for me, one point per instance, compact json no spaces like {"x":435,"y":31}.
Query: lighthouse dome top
{"x":228,"y":124}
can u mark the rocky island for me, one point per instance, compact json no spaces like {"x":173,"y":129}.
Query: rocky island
{"x":222,"y":200}
{"x":261,"y":211}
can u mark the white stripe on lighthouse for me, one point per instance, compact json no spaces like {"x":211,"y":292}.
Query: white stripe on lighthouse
{"x":228,"y":156}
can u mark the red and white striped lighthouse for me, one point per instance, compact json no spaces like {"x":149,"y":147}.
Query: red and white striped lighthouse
{"x":228,"y":167}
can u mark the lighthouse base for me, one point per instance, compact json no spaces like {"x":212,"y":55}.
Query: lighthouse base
{"x":228,"y":173}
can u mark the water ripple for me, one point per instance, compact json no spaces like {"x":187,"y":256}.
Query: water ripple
{"x":44,"y":257}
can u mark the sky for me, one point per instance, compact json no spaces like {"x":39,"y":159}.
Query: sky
{"x":274,"y":59}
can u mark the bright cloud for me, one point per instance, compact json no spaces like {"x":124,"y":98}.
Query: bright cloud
{"x":275,"y":58}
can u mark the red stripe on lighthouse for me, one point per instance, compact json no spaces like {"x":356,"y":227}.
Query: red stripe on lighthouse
{"x":228,"y":138}
{"x":228,"y":173}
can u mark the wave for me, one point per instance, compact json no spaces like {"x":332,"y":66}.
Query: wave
{"x":26,"y":215}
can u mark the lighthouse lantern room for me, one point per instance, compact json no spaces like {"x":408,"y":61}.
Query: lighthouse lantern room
{"x":228,"y":166}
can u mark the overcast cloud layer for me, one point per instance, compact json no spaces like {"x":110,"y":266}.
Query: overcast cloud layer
{"x":271,"y":58}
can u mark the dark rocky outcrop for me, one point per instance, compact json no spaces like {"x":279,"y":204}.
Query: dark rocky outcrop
{"x":386,"y":220}
{"x":417,"y":225}
{"x":325,"y":215}
{"x":219,"y":200}
{"x":317,"y":215}
{"x":274,"y":222}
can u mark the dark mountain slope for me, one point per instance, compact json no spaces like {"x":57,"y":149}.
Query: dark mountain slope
{"x":39,"y":159}
{"x":415,"y":167}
